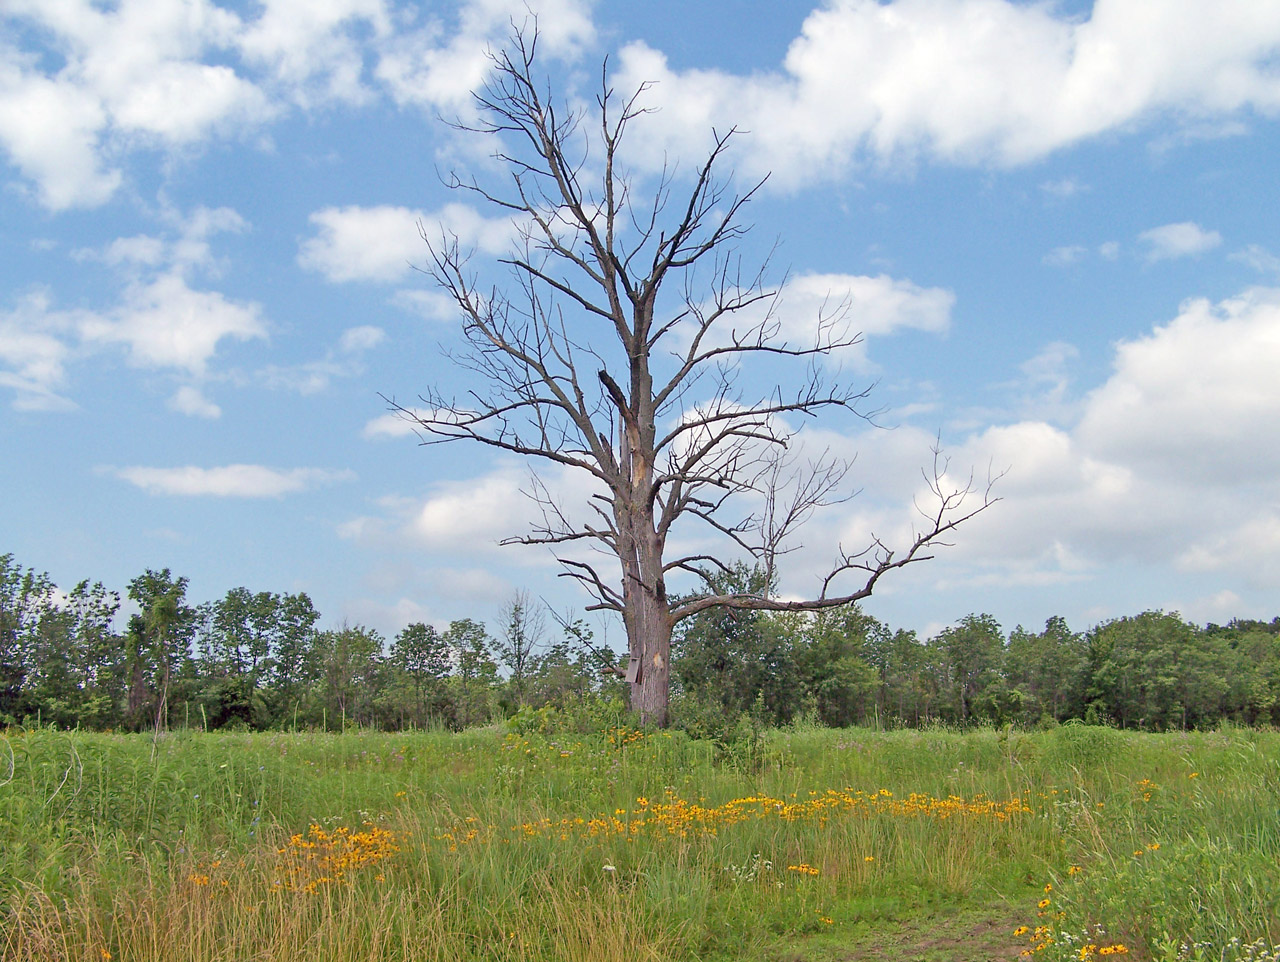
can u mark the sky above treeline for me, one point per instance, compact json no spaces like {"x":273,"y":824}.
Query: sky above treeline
{"x":1054,"y":223}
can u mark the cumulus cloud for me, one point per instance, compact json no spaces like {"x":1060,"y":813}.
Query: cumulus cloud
{"x":471,"y":512}
{"x":50,"y":131}
{"x":171,"y":74}
{"x":877,"y":306}
{"x":955,"y":81}
{"x":1168,"y":458}
{"x":1168,"y":461}
{"x":164,"y":323}
{"x":439,"y":65}
{"x":190,"y":400}
{"x":382,"y":243}
{"x":315,"y":49}
{"x":162,"y":319}
{"x":963,"y":81}
{"x":131,"y":75}
{"x":839,"y":307}
{"x":1178,"y":240}
{"x":475,"y":514}
{"x":1195,"y":398}
{"x":35,"y":350}
{"x":231,"y":481}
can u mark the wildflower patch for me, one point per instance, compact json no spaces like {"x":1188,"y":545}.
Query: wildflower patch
{"x":319,"y":858}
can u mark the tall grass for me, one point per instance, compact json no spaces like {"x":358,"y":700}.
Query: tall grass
{"x":489,"y":845}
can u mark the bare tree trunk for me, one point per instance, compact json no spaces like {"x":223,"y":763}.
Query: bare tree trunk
{"x":649,"y":637}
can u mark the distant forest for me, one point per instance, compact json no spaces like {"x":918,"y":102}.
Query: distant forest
{"x":256,"y":660}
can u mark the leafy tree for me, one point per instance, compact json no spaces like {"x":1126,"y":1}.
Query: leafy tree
{"x":424,"y":657}
{"x":97,"y":654}
{"x":1155,"y":671}
{"x":911,"y":682}
{"x":160,"y":639}
{"x":293,"y":664}
{"x":628,"y":352}
{"x":970,"y":656}
{"x":836,"y":665}
{"x":1251,"y":665}
{"x":350,"y":659}
{"x":477,"y":673}
{"x":1048,"y":669}
{"x":735,"y":658}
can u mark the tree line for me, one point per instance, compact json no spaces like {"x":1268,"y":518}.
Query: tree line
{"x":259,"y":660}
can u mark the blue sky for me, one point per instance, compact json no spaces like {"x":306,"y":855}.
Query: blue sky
{"x":1055,"y":223}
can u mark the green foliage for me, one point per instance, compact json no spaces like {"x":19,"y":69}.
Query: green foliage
{"x":255,"y":660}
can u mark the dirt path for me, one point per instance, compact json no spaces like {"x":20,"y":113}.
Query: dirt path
{"x":970,"y":935}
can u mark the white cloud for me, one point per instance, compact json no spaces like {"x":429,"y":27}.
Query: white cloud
{"x":382,"y":243}
{"x":1064,"y":256}
{"x":34,"y":349}
{"x":870,"y":306}
{"x":1109,"y":250}
{"x":1251,"y":548}
{"x":963,"y":81}
{"x":161,"y":320}
{"x":137,"y":74}
{"x":1196,"y":398}
{"x":1169,"y":458}
{"x":50,"y":131}
{"x":165,"y":323}
{"x":394,"y":424}
{"x":1167,"y":462}
{"x":435,"y":66}
{"x":476,"y":512}
{"x":1259,"y":258}
{"x":473,"y":516}
{"x":878,"y":306}
{"x":357,"y":340}
{"x":1178,"y":240}
{"x":314,"y":48}
{"x":231,"y":481}
{"x":346,"y":360}
{"x":189,"y":400}
{"x":101,"y":81}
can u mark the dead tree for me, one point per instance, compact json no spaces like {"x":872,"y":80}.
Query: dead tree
{"x":619,"y":351}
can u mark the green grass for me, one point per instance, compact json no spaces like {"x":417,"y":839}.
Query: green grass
{"x":508,"y":847}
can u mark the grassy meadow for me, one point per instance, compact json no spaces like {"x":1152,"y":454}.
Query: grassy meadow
{"x":800,"y":845}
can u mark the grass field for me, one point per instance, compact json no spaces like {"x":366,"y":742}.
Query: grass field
{"x":806,"y":845}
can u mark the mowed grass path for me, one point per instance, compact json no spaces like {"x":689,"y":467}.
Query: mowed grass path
{"x":813,"y":845}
